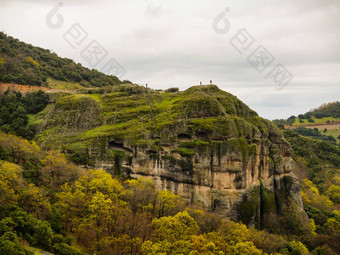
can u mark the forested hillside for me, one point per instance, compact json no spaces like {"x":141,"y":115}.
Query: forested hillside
{"x":327,"y":113}
{"x":317,"y":160}
{"x":22,"y":63}
{"x":50,"y":204}
{"x":327,"y":110}
{"x":318,"y":167}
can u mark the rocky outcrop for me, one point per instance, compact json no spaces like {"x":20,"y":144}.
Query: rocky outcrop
{"x":245,"y":180}
{"x":203,"y":144}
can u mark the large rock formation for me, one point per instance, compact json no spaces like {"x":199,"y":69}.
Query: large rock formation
{"x":203,"y":144}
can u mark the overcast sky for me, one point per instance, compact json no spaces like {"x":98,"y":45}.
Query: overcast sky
{"x":172,"y":43}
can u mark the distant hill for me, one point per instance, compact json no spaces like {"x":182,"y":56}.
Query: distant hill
{"x":322,"y":123}
{"x":327,"y":110}
{"x":22,"y":63}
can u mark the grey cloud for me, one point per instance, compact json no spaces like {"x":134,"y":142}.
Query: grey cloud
{"x":171,"y":43}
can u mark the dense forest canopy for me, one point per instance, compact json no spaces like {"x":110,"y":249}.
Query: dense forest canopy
{"x":16,"y":108}
{"x":22,"y":63}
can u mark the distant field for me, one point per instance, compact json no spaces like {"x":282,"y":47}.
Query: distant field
{"x":322,"y":127}
{"x":56,"y":86}
{"x":332,"y":128}
{"x":20,"y":88}
{"x":322,"y":120}
{"x":335,"y":133}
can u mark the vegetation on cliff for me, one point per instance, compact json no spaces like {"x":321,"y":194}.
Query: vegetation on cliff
{"x":139,"y":116}
{"x":317,"y":160}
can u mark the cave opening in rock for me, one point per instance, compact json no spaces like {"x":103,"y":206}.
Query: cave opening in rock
{"x":202,"y":135}
{"x":151,"y":152}
{"x":118,"y":147}
{"x":184,"y":138}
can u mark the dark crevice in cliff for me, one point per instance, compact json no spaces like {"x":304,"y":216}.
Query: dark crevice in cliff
{"x":244,"y":174}
{"x":167,"y":178}
{"x":261,"y":205}
{"x":275,"y":185}
{"x":276,"y":197}
{"x":212,"y":175}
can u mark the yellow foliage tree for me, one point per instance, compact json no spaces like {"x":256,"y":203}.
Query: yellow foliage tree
{"x":99,"y":180}
{"x":10,"y":183}
{"x":311,"y":195}
{"x":57,"y":171}
{"x":33,"y":201}
{"x":166,"y":202}
{"x":32,"y":61}
{"x":333,"y":192}
{"x":19,"y":149}
{"x":171,"y":228}
{"x":141,"y":195}
{"x":71,"y":206}
{"x":246,"y":248}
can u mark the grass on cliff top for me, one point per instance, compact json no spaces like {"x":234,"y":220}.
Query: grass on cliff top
{"x":185,"y":152}
{"x":96,"y":97}
{"x":131,"y":130}
{"x":335,"y":133}
{"x":34,"y":119}
{"x":62,"y":85}
{"x":162,"y":107}
{"x":136,"y":113}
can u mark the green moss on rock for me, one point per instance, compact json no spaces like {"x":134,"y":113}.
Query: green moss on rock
{"x":185,"y":152}
{"x":143,"y":117}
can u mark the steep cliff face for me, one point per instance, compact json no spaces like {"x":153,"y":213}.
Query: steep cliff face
{"x":244,"y":179}
{"x":203,"y":144}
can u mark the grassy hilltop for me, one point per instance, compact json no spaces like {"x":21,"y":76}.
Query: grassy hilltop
{"x":144,"y":117}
